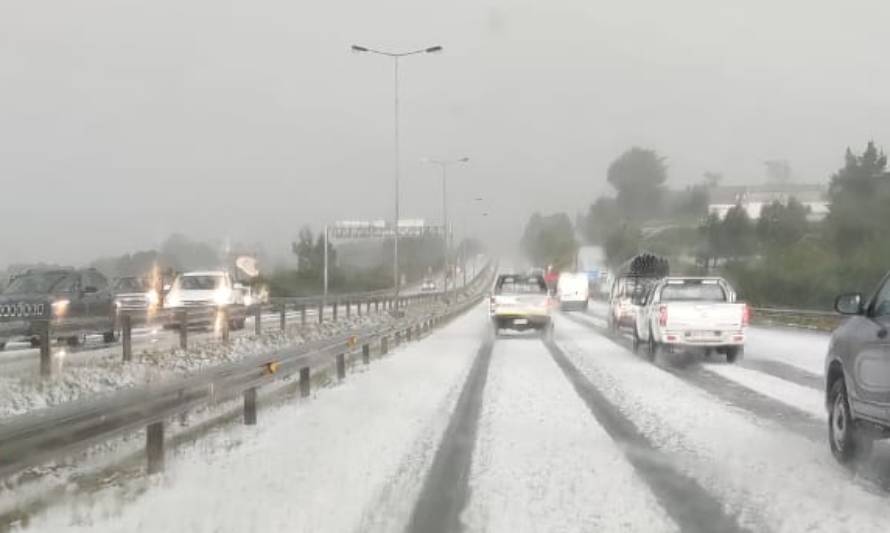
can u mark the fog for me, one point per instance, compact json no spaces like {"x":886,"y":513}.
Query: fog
{"x":123,"y":121}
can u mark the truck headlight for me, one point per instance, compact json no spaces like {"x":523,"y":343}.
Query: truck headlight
{"x":222,"y":296}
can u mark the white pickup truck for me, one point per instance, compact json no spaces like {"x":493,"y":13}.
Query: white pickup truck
{"x":686,"y":312}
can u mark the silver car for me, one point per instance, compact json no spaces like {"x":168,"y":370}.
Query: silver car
{"x":857,"y":375}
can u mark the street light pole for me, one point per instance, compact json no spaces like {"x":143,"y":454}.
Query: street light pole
{"x":446,"y":233}
{"x":395,"y":57}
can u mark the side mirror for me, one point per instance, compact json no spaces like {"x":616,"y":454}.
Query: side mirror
{"x":849,"y":304}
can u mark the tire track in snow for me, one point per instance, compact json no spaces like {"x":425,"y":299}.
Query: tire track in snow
{"x":446,"y":487}
{"x":688,"y":504}
{"x":732,"y":393}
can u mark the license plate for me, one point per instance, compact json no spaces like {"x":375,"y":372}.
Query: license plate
{"x":520,"y":321}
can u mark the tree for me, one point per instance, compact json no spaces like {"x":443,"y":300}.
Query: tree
{"x":310,"y":254}
{"x":712,"y":179}
{"x":638,"y":175}
{"x":738,"y":233}
{"x":713,"y":246}
{"x":860,"y":194}
{"x":622,"y":243}
{"x":778,"y":171}
{"x":601,"y":216}
{"x":781,"y":225}
{"x":550,"y":240}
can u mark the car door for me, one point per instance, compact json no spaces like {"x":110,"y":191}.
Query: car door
{"x":869,"y":346}
{"x":68,"y":305}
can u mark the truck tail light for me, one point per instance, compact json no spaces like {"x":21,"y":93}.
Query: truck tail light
{"x":746,"y":316}
{"x":663,"y":316}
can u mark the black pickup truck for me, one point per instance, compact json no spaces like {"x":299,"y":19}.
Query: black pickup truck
{"x":76,"y":302}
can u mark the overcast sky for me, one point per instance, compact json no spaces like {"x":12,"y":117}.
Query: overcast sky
{"x":122,"y":121}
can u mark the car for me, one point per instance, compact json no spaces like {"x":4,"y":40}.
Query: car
{"x":206,"y":290}
{"x":132,"y":293}
{"x":857,"y":375}
{"x":521,"y":302}
{"x":691,"y":312}
{"x":622,"y":299}
{"x":428,"y":285}
{"x":77,"y":302}
{"x":573,"y":290}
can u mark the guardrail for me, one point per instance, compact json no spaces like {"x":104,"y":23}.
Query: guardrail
{"x":37,"y":319}
{"x":31,"y":439}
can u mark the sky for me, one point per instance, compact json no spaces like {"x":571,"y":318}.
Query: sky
{"x":122,"y":121}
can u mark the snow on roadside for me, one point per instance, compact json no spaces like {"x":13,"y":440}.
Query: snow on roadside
{"x":772,"y":479}
{"x":352,"y":459}
{"x":806,"y":399}
{"x":542,"y":462}
{"x":801,"y":348}
{"x":104,"y":372}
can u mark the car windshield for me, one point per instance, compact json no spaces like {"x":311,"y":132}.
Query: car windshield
{"x":693,"y":291}
{"x":36,"y":283}
{"x":521,"y":285}
{"x":199,"y":283}
{"x":130,"y":285}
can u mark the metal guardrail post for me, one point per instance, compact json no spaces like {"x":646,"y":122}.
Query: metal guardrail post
{"x":335,"y":310}
{"x":127,"y":336}
{"x":223,"y":316}
{"x":348,"y":309}
{"x":384,"y":345}
{"x":258,"y":320}
{"x":303,"y":315}
{"x":398,"y":338}
{"x":250,"y":406}
{"x":183,"y":318}
{"x":366,"y":354}
{"x":304,"y":382}
{"x":46,"y":362}
{"x":408,"y":334}
{"x":341,"y":366}
{"x":154,"y":447}
{"x":321,"y":313}
{"x":376,"y":305}
{"x":282,"y":317}
{"x":358,"y":308}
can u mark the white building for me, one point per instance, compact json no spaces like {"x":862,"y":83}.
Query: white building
{"x":755,"y":197}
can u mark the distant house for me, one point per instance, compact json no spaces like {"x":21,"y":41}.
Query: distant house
{"x":755,"y":197}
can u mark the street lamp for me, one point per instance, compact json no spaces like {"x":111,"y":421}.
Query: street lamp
{"x":444,"y":164}
{"x":395,"y":57}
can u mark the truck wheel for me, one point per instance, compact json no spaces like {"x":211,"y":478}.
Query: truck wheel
{"x":733,"y":353}
{"x":108,"y":337}
{"x":73,"y":341}
{"x":35,"y":342}
{"x":653,"y":348}
{"x":846,"y":440}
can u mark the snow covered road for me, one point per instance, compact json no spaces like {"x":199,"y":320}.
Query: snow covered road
{"x":462,"y":432}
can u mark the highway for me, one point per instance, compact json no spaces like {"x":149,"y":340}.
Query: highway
{"x":465,"y":432}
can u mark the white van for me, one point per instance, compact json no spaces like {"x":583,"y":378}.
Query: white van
{"x":573,"y":290}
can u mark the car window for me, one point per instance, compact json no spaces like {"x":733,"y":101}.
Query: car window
{"x":693,"y":291}
{"x":37,"y":283}
{"x":130,"y":285}
{"x":521,"y":285}
{"x":69,"y":284}
{"x":95,"y":280}
{"x":882,"y":301}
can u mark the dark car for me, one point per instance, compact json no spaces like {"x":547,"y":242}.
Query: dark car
{"x":857,"y":375}
{"x":76,"y":302}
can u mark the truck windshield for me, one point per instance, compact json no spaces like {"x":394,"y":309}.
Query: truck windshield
{"x":199,"y":283}
{"x":36,"y":283}
{"x":130,"y":285}
{"x":693,"y":291}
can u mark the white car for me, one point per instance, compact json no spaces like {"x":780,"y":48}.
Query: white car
{"x":691,"y":312}
{"x":428,"y":285}
{"x":207,"y":289}
{"x":521,"y":302}
{"x":573,"y":290}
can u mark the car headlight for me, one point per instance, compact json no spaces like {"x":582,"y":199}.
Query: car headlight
{"x":222,"y":296}
{"x":60,"y":307}
{"x":172,"y":300}
{"x":152,"y":298}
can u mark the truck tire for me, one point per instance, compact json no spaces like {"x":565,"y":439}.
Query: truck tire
{"x":109,"y":337}
{"x":653,"y":348}
{"x":733,"y":353}
{"x":846,"y":440}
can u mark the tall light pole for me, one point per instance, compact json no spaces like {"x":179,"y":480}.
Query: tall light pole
{"x":444,"y":164}
{"x":395,"y":57}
